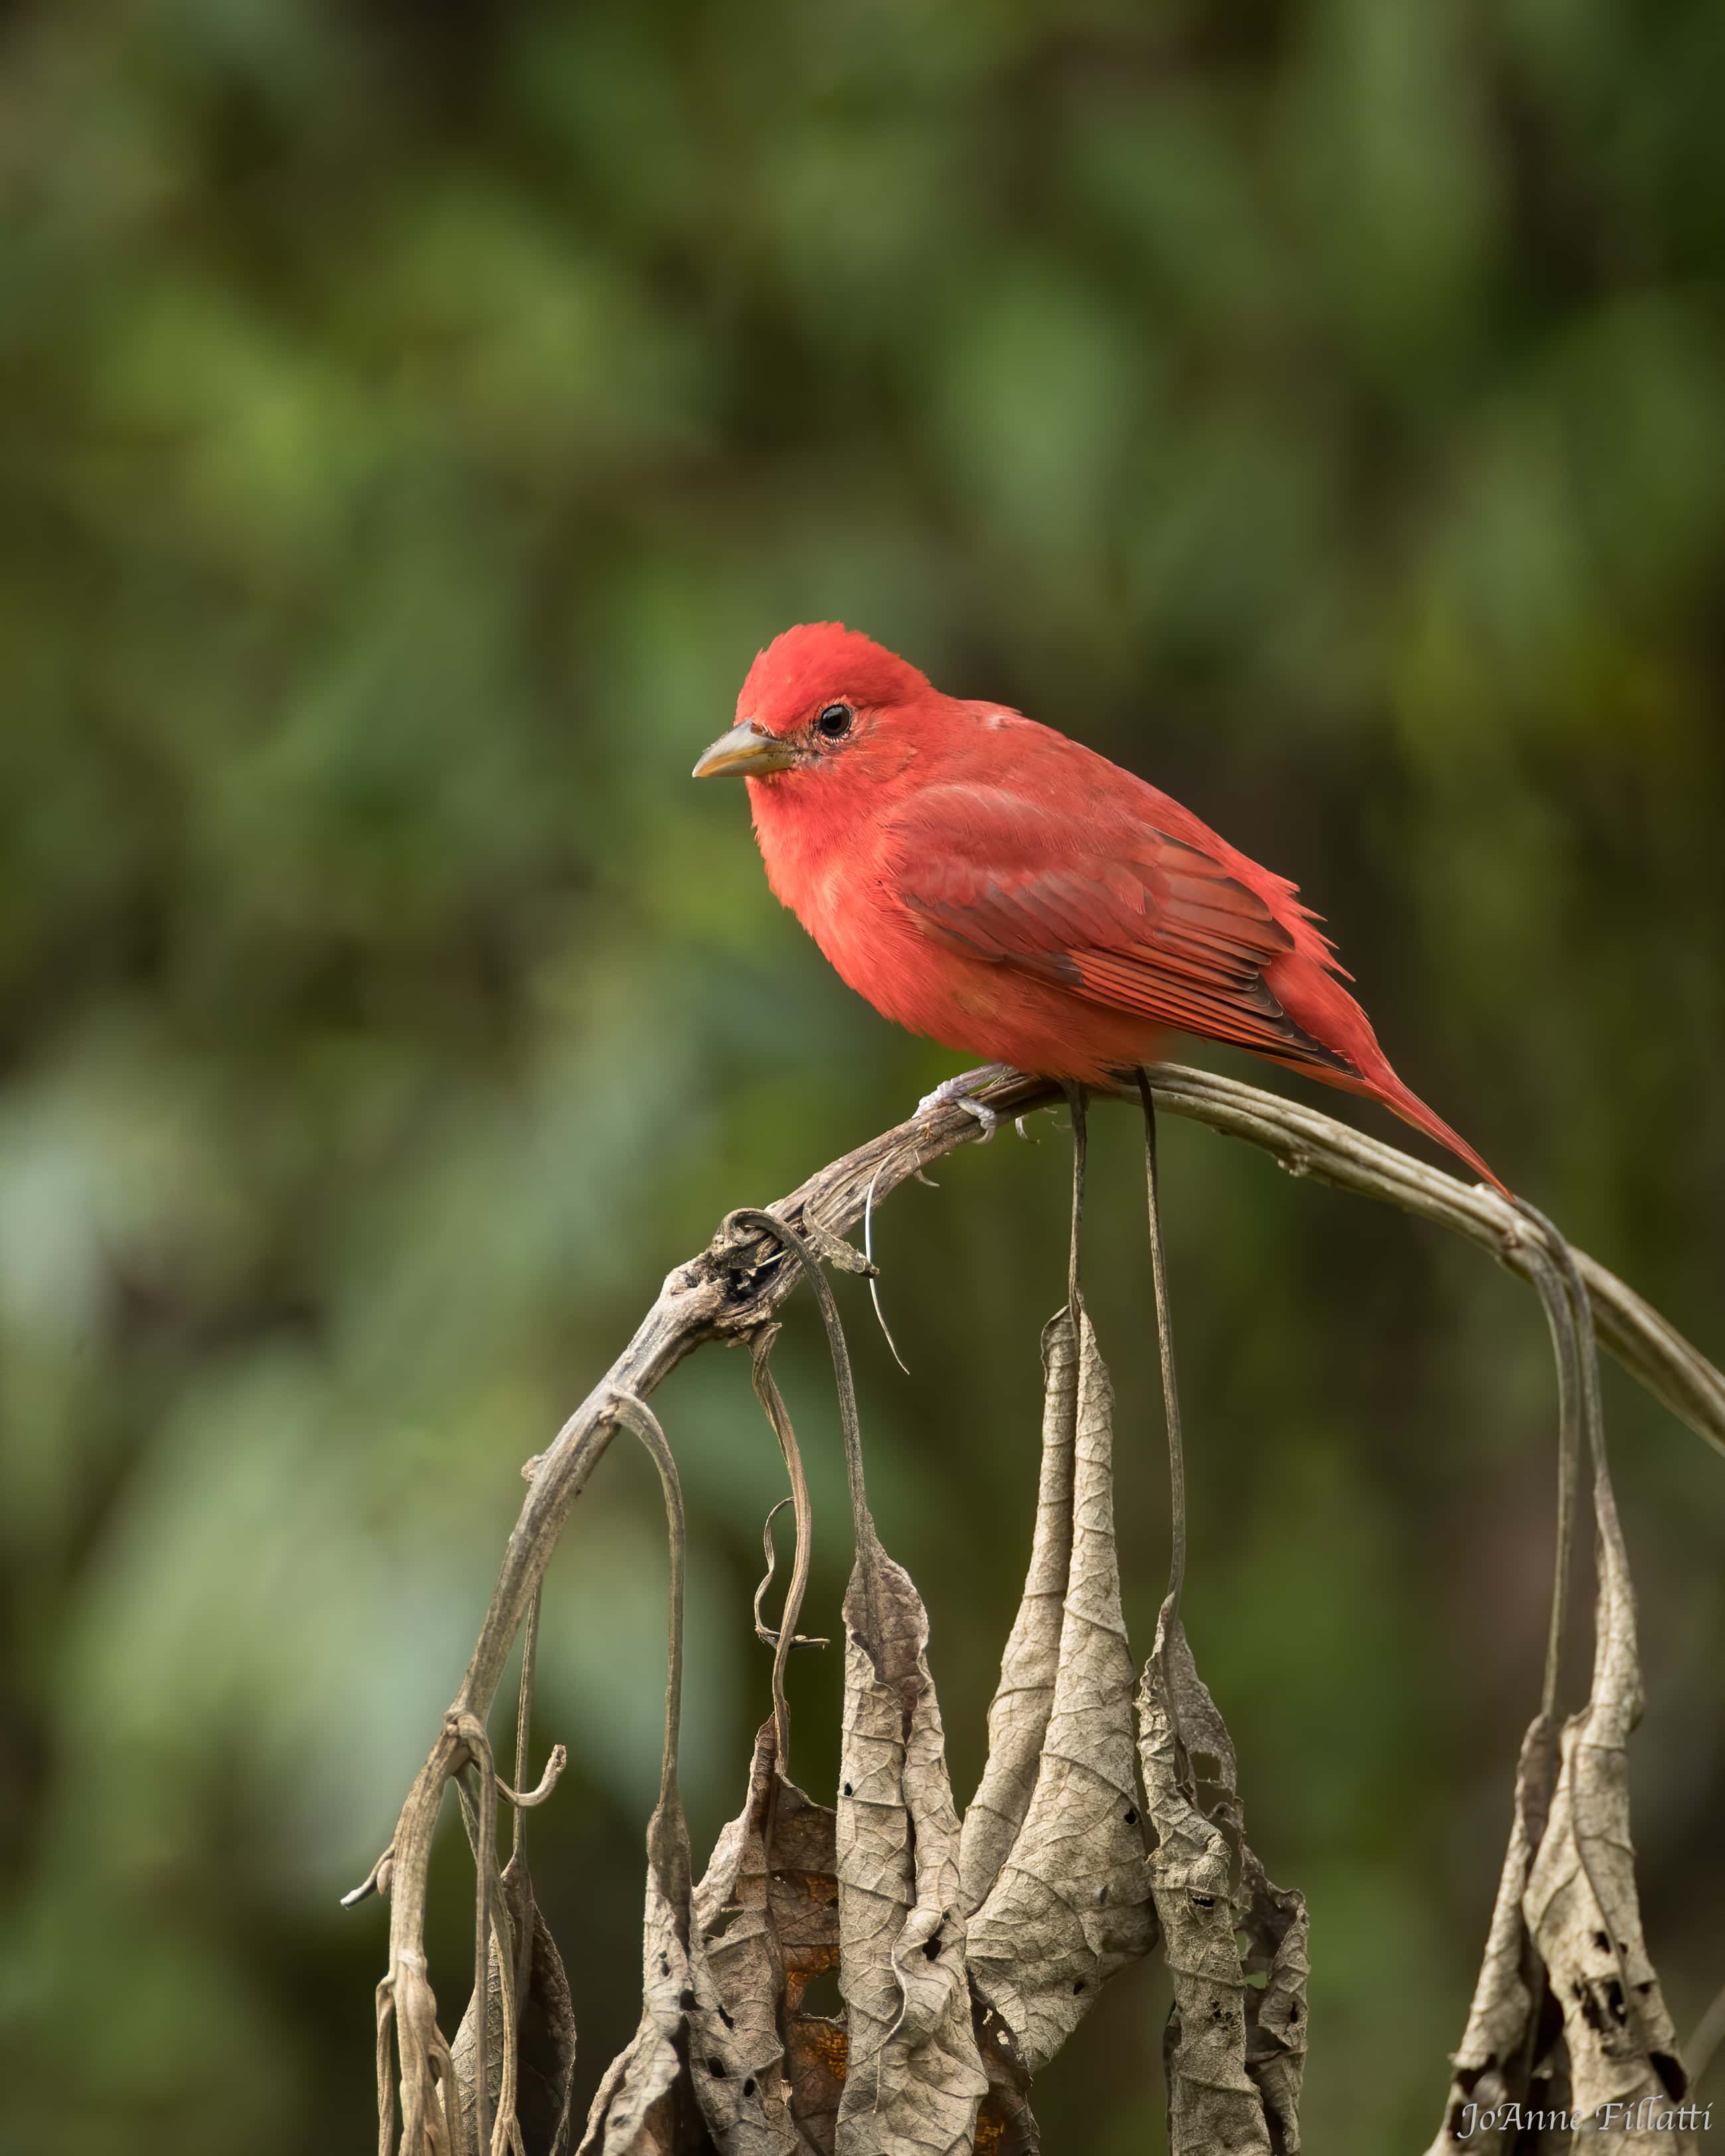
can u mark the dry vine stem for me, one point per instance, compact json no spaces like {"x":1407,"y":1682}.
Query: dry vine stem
{"x":730,"y":1292}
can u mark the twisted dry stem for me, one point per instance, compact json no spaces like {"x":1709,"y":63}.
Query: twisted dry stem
{"x":732,"y":1290}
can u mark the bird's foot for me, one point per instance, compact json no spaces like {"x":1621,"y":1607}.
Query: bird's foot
{"x":958,"y":1091}
{"x":986,"y":1116}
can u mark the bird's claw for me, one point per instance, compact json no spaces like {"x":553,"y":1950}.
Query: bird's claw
{"x":961,"y":1092}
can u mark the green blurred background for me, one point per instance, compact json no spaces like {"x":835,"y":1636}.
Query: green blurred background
{"x":412,"y":420}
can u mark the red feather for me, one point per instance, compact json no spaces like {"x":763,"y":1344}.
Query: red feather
{"x":986,"y":881}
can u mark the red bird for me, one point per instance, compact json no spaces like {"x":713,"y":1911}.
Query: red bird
{"x":983,"y":880}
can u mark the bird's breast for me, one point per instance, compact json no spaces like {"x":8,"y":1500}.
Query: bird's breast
{"x":837,"y":882}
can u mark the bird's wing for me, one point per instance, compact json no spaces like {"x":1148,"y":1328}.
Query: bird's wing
{"x":1125,"y":915}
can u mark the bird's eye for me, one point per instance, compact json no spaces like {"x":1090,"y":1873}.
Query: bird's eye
{"x":835,"y":721}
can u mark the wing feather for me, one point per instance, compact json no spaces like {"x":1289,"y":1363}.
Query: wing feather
{"x":1133,"y":918}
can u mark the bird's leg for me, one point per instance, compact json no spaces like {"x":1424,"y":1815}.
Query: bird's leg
{"x":959,"y":1090}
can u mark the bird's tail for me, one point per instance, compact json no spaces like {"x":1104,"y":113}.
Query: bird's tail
{"x":1402,"y":1101}
{"x":1345,"y":1053}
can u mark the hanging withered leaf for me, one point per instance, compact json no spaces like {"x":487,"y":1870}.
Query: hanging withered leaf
{"x":1494,"y":2064}
{"x":635,"y":2109}
{"x":914,"y":2077}
{"x":1005,"y":2125}
{"x":1278,"y":1969}
{"x":1568,"y":2013}
{"x":768,"y":1916}
{"x":1070,"y":1903}
{"x":1580,"y":1902}
{"x":688,"y":2067}
{"x":545,"y":2022}
{"x":1017,"y":1715}
{"x":686,"y":2078}
{"x":1235,"y":2049}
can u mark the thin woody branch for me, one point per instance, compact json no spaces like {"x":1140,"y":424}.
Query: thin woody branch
{"x":731,"y":1290}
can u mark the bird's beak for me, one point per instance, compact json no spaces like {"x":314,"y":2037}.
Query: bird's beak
{"x":748,"y":751}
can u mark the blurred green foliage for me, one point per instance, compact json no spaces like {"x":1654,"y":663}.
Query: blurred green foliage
{"x":412,"y":419}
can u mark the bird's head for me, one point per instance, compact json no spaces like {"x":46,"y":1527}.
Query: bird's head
{"x":821,"y":700}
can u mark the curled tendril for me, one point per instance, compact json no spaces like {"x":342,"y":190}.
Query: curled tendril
{"x":769,"y":1224}
{"x":787,"y":1635}
{"x":875,"y":1271}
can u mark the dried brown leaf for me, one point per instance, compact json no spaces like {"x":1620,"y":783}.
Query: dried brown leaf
{"x":802,"y":1885}
{"x":729,"y":1911}
{"x":767,"y":1913}
{"x":687,"y":2075}
{"x":1235,"y":2053}
{"x":1072,"y":1902}
{"x":1580,"y":1900}
{"x":1494,"y":2059}
{"x":914,"y":2076}
{"x":546,"y":2086}
{"x":1017,"y":1715}
{"x":545,"y":2021}
{"x":1565,"y":1952}
{"x":635,"y":2109}
{"x":1005,"y":2125}
{"x":1274,"y":1922}
{"x":687,"y":2045}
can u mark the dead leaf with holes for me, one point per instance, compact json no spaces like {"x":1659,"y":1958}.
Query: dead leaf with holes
{"x":689,"y":2066}
{"x":1492,"y":2064}
{"x":1278,"y":1969}
{"x":805,"y":1888}
{"x":1580,"y":1902}
{"x":768,"y":1914}
{"x":1070,"y":1903}
{"x":913,"y":2076}
{"x":1235,"y":2048}
{"x":1567,"y":2011}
